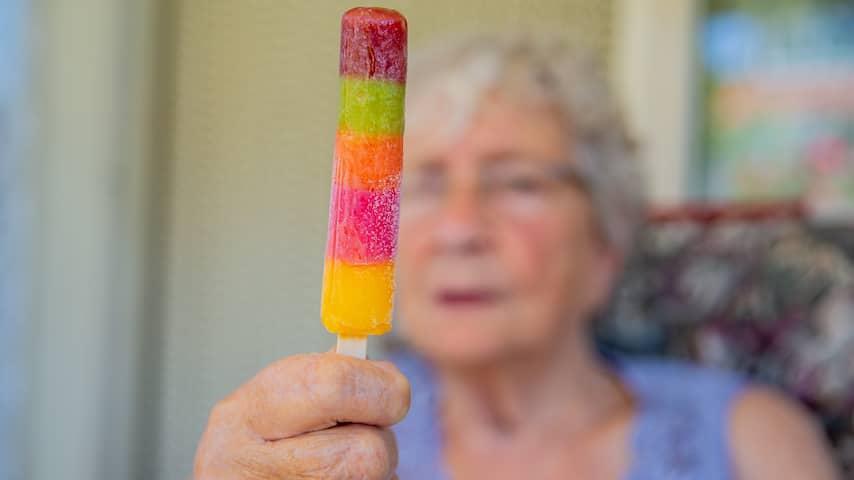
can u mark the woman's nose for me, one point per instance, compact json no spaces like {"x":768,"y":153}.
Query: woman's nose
{"x":461,"y":225}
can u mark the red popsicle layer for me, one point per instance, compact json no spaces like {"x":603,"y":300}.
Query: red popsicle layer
{"x":373,"y":44}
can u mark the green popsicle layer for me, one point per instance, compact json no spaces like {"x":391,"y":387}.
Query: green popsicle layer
{"x":373,"y":107}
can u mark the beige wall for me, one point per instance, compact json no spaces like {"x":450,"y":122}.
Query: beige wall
{"x":254,"y":120}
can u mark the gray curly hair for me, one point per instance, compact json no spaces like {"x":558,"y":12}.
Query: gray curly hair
{"x":449,"y":81}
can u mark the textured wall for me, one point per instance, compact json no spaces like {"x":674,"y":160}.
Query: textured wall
{"x":254,"y":117}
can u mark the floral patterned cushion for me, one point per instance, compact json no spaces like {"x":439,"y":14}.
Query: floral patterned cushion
{"x":770,"y":299}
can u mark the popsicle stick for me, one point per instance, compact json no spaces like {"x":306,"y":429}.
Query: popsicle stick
{"x":353,"y":346}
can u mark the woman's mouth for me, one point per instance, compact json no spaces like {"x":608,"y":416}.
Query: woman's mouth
{"x":471,"y":297}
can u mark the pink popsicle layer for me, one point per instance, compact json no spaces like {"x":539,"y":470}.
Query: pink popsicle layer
{"x":363,"y":225}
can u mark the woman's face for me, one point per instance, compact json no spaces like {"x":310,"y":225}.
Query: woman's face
{"x":499,"y":253}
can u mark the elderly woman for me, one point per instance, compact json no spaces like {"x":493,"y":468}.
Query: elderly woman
{"x":521,"y":197}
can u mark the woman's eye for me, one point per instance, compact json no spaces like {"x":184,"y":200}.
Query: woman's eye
{"x":524,"y":184}
{"x":423,"y":185}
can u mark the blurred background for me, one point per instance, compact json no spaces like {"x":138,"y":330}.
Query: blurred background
{"x":164,"y":176}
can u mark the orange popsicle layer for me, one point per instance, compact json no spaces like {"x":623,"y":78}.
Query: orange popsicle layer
{"x":368,"y":161}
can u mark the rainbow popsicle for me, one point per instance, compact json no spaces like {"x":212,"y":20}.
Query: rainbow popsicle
{"x":358,"y":277}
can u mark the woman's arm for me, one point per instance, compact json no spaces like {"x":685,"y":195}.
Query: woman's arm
{"x":773,"y":438}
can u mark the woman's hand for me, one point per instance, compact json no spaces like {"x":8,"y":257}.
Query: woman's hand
{"x":307,"y":416}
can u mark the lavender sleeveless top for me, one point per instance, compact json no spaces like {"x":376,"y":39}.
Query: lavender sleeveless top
{"x":679,"y":431}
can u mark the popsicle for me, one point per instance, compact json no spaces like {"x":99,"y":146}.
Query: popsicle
{"x":358,"y":276}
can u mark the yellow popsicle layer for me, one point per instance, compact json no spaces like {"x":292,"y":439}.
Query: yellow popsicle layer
{"x":357,"y":299}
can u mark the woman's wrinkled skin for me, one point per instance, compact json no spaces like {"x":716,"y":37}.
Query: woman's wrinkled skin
{"x":307,"y":417}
